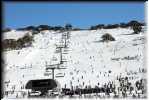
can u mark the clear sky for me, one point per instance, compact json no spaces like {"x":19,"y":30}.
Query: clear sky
{"x":79,"y":14}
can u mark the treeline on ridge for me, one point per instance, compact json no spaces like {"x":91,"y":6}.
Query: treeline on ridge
{"x":70,"y":27}
{"x":121,"y":25}
{"x":47,"y":27}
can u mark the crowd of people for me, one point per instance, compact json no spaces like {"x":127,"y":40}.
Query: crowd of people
{"x":123,"y":88}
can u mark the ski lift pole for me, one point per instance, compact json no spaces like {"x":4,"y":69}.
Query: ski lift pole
{"x":53,"y":73}
{"x":61,"y":56}
{"x":68,"y":34}
{"x":52,"y":68}
{"x":65,"y":43}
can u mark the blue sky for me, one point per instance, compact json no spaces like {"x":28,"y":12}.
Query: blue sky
{"x":79,"y":14}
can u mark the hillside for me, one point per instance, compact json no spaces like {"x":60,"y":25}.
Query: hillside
{"x":87,"y":61}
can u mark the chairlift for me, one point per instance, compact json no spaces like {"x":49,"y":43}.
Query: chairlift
{"x":66,"y":50}
{"x":63,"y":67}
{"x":64,"y":53}
{"x":48,"y":70}
{"x":47,"y":74}
{"x":54,"y":59}
{"x":57,"y":51}
{"x":59,"y":75}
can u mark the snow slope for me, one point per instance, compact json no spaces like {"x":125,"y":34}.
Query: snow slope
{"x":89,"y":61}
{"x":13,"y":34}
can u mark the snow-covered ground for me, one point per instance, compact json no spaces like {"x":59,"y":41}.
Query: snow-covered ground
{"x":13,"y":34}
{"x":88,"y":61}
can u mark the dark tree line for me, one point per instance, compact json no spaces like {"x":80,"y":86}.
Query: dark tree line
{"x":17,"y":44}
{"x":47,"y":27}
{"x":135,"y":25}
{"x":6,"y":30}
{"x":121,"y":25}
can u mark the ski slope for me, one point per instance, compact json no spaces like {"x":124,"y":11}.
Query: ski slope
{"x":88,"y":61}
